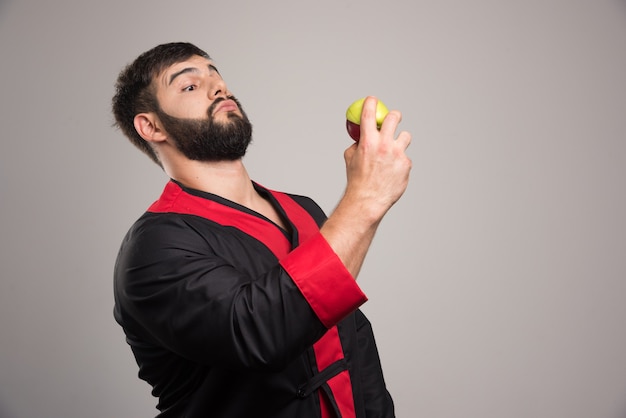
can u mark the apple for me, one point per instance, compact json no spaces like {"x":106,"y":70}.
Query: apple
{"x":353,"y":117}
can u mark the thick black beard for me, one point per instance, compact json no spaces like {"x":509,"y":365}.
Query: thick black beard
{"x":208,"y":140}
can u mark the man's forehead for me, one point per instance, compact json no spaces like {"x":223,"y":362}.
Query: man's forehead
{"x":194,"y":61}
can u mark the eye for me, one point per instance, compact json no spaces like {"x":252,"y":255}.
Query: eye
{"x":191,"y":87}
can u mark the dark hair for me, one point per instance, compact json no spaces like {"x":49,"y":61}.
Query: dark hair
{"x":135,"y":93}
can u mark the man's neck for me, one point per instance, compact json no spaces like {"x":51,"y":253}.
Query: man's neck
{"x":228,"y":179}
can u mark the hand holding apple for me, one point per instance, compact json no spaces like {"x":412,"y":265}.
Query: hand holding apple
{"x":353,"y":117}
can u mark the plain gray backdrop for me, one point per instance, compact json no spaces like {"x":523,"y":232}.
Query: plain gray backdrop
{"x":497,"y":285}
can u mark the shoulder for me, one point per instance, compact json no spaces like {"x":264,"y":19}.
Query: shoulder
{"x":310,"y":206}
{"x":155,"y":237}
{"x":152,"y":228}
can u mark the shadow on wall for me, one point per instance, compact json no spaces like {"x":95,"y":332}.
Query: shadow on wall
{"x":3,"y":9}
{"x":3,"y":411}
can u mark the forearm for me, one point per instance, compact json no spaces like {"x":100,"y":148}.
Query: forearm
{"x":349,"y":231}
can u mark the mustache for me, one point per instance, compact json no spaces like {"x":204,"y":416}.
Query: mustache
{"x":220,"y":100}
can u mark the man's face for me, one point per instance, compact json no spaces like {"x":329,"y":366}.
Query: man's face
{"x":199,"y":114}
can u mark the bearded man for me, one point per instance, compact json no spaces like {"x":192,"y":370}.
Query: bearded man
{"x":238,"y":300}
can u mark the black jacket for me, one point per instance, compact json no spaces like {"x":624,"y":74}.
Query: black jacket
{"x":229,"y":315}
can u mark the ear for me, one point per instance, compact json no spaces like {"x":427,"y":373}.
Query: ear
{"x":148,"y":127}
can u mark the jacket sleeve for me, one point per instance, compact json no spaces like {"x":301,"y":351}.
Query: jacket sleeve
{"x":173,"y":290}
{"x":328,"y":287}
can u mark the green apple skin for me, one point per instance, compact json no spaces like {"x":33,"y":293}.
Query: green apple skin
{"x":353,"y":117}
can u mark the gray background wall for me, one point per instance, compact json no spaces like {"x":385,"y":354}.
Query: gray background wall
{"x":497,"y":285}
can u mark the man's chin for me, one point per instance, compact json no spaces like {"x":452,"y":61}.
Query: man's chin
{"x":225,"y":119}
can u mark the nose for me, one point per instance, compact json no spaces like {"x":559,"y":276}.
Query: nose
{"x":218,"y":89}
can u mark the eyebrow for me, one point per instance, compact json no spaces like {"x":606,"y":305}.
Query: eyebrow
{"x":190,"y":70}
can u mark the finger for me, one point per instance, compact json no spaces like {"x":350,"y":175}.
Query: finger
{"x":368,"y":115}
{"x":391,"y":122}
{"x":404,"y":139}
{"x":349,"y":152}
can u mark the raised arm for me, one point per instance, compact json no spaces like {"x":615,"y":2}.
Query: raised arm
{"x":377,"y":176}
